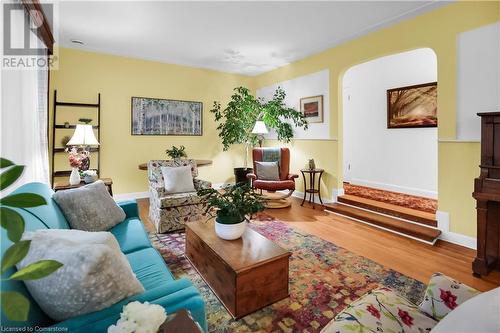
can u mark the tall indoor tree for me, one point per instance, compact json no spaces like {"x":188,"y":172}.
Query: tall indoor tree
{"x":238,"y":118}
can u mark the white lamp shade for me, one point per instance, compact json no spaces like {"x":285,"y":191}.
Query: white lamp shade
{"x":83,"y":136}
{"x":260,"y":128}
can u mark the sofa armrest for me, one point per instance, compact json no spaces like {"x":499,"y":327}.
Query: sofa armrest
{"x":251,"y":176}
{"x":443,"y":294}
{"x":292,"y":176}
{"x":156,"y":190}
{"x":201,"y":184}
{"x":130,"y":208}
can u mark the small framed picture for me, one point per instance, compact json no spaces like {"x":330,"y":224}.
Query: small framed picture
{"x":312,"y":108}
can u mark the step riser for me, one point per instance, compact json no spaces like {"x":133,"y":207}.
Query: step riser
{"x":417,"y":219}
{"x":392,"y":224}
{"x":386,"y":229}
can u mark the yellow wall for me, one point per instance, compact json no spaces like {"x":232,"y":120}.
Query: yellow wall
{"x":437,"y":30}
{"x":81,"y":75}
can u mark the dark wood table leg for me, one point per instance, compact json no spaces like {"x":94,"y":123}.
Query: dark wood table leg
{"x":305,"y":188}
{"x":312,"y":183}
{"x":319,"y":187}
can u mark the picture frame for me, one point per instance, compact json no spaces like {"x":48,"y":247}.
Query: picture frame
{"x":412,"y":106}
{"x":312,"y":108}
{"x":166,"y":117}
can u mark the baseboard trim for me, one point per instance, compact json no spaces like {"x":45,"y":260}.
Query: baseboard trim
{"x":443,"y":220}
{"x":130,"y":196}
{"x":395,"y":188}
{"x":300,"y":195}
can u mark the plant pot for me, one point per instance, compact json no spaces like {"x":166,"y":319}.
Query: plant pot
{"x":74,"y":178}
{"x":240,"y":175}
{"x":230,"y":231}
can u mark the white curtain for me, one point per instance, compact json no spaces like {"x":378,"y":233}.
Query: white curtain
{"x":24,"y":119}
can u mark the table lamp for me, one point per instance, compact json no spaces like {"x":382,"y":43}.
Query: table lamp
{"x":84,"y":137}
{"x":260,"y":129}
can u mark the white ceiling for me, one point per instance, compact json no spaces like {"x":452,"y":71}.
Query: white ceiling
{"x":239,"y":37}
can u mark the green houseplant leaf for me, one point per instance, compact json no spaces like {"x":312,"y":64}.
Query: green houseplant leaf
{"x":9,"y":176}
{"x":37,"y":270}
{"x":5,"y":163}
{"x":15,"y":305}
{"x":23,"y":200}
{"x":14,"y":254}
{"x":13,"y":222}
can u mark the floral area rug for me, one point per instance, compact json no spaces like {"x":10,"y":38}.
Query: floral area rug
{"x":400,"y":199}
{"x":324,"y":279}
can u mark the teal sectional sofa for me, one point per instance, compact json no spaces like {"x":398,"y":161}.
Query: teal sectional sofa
{"x":148,"y":265}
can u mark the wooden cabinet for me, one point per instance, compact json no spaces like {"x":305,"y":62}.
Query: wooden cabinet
{"x":487,"y":195}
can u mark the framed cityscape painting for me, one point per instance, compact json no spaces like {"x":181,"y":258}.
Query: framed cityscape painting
{"x":312,"y":108}
{"x":155,"y":116}
{"x":412,"y":106}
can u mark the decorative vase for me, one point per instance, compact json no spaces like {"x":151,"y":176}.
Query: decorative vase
{"x":312,"y":165}
{"x":230,"y":231}
{"x":74,"y":178}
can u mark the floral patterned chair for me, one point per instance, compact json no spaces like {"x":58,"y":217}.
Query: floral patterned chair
{"x":382,"y":310}
{"x":170,"y":212}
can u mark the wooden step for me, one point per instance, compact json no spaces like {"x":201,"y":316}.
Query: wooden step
{"x":413,"y":230}
{"x":390,"y":209}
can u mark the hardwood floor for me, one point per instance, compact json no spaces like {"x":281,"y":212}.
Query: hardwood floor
{"x":410,"y":257}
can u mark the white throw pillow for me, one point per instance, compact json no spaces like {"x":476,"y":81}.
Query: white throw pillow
{"x":267,"y":170}
{"x":178,"y":179}
{"x":95,"y":273}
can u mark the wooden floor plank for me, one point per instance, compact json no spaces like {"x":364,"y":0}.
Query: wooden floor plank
{"x":407,"y":256}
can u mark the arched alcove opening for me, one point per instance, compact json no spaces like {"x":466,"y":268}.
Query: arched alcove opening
{"x":403,"y":160}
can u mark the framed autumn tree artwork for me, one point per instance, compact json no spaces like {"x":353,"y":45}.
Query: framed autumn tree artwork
{"x":412,"y":106}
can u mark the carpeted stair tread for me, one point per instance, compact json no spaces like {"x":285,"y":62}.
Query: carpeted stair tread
{"x":390,"y":209}
{"x":406,"y":228}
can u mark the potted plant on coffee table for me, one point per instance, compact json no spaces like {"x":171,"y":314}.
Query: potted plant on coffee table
{"x":233,"y":205}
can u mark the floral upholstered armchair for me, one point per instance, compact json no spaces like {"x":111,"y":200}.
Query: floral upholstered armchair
{"x":170,"y":212}
{"x":383,"y":310}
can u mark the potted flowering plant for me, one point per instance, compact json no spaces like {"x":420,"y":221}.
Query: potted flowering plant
{"x":233,"y":204}
{"x":138,"y":317}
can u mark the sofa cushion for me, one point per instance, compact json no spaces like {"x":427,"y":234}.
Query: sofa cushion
{"x":36,"y":317}
{"x":50,"y":214}
{"x":149,"y":268}
{"x":95,"y":273}
{"x":131,"y":235}
{"x":381,"y":310}
{"x":175,"y":295}
{"x":443,"y":294}
{"x":90,"y":207}
{"x":179,"y":199}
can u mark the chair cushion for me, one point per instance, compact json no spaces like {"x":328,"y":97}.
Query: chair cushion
{"x":149,"y":268}
{"x":179,"y":199}
{"x":177,"y":179}
{"x":90,"y":207}
{"x":381,"y":310}
{"x":271,"y":185}
{"x":267,"y":170}
{"x":131,"y":235}
{"x":443,"y":294}
{"x":95,"y":273}
{"x":154,"y":168}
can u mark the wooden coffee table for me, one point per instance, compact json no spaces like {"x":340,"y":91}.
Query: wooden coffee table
{"x":246,"y":274}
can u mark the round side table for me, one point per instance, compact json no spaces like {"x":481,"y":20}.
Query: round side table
{"x":312,"y":183}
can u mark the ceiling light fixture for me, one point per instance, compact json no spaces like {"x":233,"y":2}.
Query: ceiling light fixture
{"x":77,"y":41}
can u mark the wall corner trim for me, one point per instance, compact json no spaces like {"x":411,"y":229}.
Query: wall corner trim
{"x":443,"y":220}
